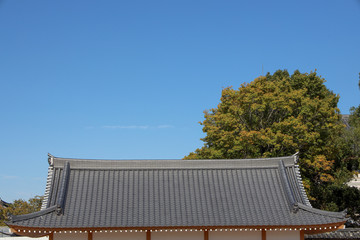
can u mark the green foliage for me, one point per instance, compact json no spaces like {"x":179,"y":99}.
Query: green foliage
{"x":272,"y":116}
{"x":279,"y":115}
{"x":339,"y":198}
{"x":19,"y":207}
{"x":351,"y":139}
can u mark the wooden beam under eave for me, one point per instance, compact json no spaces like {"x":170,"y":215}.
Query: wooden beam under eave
{"x":90,"y":236}
{"x":51,"y":236}
{"x":302,"y":235}
{"x":28,"y":234}
{"x":263,"y":234}
{"x":148,"y":235}
{"x":206,"y":235}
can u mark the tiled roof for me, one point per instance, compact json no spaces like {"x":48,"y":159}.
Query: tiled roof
{"x":4,"y":232}
{"x":348,"y":233}
{"x":3,"y":203}
{"x":175,"y":193}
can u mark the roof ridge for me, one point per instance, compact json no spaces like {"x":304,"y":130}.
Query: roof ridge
{"x":63,"y":188}
{"x":16,"y":218}
{"x":173,"y":164}
{"x":51,"y":158}
{"x":287,"y":188}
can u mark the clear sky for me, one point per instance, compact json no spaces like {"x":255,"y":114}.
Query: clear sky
{"x":130,"y":79}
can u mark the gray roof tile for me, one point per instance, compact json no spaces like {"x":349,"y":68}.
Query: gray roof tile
{"x":348,"y":233}
{"x":175,"y":193}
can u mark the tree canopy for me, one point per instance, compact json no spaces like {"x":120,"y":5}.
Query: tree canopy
{"x":273,"y":115}
{"x":279,"y":115}
{"x":19,"y":207}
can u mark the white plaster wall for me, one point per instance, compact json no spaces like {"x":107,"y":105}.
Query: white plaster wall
{"x":238,"y":235}
{"x":283,"y":235}
{"x":119,"y":236}
{"x":70,"y":236}
{"x":177,"y":235}
{"x":355,"y":182}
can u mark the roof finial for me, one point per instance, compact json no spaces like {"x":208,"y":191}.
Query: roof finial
{"x":50,"y":159}
{"x":296,"y":157}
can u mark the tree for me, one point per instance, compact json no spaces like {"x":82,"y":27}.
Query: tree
{"x":352,"y":138}
{"x":19,"y":207}
{"x":279,"y":115}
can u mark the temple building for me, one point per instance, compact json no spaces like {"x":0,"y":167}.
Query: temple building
{"x":252,"y":199}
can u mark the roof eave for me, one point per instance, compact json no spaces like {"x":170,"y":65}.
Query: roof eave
{"x":307,"y":229}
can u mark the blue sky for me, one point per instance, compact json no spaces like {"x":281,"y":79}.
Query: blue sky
{"x":130,"y":79}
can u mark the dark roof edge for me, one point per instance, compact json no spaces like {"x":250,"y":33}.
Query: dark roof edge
{"x":340,"y":215}
{"x":16,"y":218}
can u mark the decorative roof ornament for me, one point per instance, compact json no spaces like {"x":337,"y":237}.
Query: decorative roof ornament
{"x":296,"y":157}
{"x":50,"y":159}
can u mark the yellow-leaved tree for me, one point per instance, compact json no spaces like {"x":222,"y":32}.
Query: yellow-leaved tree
{"x":279,"y":115}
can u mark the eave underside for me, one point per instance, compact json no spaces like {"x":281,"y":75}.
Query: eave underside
{"x":306,"y":229}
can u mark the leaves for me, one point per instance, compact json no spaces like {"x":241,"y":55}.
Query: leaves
{"x":271,"y":116}
{"x":321,"y":169}
{"x":19,"y":207}
{"x":278,"y":115}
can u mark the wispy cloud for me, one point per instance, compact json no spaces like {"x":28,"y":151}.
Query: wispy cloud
{"x":143,"y":127}
{"x":165,"y":126}
{"x":126,"y":127}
